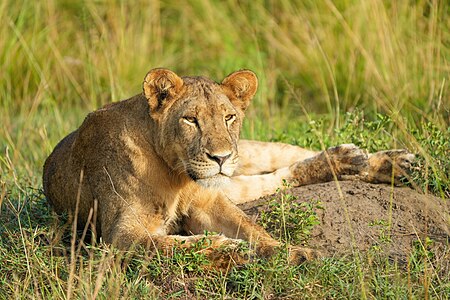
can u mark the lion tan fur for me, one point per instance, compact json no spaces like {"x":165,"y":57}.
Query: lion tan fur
{"x":169,"y":159}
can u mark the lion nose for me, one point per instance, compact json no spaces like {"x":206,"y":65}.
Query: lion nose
{"x":219,"y":159}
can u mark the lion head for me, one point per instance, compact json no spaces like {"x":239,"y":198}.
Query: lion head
{"x":197,"y":121}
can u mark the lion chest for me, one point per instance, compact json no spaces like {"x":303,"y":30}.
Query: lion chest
{"x":157,"y":216}
{"x":157,"y":191}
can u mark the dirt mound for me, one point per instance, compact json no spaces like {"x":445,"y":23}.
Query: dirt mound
{"x":360,"y":218}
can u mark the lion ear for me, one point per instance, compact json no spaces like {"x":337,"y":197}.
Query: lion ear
{"x":160,"y":85}
{"x":240,"y":87}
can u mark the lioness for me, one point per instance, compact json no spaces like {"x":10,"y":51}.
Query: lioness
{"x":170,"y":159}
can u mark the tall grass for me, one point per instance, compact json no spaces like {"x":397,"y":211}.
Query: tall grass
{"x":315,"y":60}
{"x":62,"y":58}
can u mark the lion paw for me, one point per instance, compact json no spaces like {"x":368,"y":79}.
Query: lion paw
{"x":390,"y":165}
{"x":298,"y":255}
{"x":347,"y":159}
{"x":341,"y":161}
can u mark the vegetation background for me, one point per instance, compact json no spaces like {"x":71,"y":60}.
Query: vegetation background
{"x":375,"y":73}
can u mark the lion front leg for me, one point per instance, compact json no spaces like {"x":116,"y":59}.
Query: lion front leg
{"x":350,"y":162}
{"x":219,"y":249}
{"x":340,"y":162}
{"x":388,"y":166}
{"x":257,"y":158}
{"x":344,"y":162}
{"x":218,"y":214}
{"x":336,"y":162}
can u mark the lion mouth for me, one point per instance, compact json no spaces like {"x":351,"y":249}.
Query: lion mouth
{"x":194,"y":176}
{"x":215,"y":181}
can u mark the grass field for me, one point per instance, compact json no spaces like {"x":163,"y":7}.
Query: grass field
{"x":375,"y":73}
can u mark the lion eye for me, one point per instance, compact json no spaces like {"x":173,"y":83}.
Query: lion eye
{"x":230,"y":118}
{"x":190,"y":121}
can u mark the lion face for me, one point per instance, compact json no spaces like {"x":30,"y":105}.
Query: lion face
{"x":199,"y":121}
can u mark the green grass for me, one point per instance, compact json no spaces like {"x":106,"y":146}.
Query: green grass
{"x":375,"y":73}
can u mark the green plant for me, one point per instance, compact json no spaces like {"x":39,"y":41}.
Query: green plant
{"x":290,"y":220}
{"x":61,"y":59}
{"x":433,"y":161}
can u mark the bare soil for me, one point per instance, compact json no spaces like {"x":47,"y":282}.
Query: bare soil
{"x":359,"y":216}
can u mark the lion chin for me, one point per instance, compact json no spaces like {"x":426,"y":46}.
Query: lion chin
{"x":213,"y":182}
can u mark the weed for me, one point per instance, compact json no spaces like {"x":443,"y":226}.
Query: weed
{"x":384,"y":237}
{"x":430,"y":143}
{"x":433,"y":163}
{"x":62,"y":59}
{"x":290,"y":220}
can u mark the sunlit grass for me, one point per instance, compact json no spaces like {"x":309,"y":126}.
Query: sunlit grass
{"x":385,"y":62}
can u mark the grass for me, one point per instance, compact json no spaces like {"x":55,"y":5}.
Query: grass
{"x":375,"y":73}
